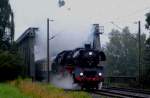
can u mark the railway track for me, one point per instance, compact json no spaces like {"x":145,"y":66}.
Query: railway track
{"x":130,"y":90}
{"x":122,"y":92}
{"x":119,"y":92}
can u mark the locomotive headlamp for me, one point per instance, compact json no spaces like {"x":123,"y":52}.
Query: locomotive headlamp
{"x":81,"y":74}
{"x":90,"y":53}
{"x":100,"y":74}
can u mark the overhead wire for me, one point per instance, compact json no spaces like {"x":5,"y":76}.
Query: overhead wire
{"x":132,"y":14}
{"x":126,"y":17}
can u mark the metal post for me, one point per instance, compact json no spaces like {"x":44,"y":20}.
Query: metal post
{"x":48,"y":80}
{"x":139,"y":35}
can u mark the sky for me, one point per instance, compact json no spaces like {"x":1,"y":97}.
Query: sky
{"x":73,"y":22}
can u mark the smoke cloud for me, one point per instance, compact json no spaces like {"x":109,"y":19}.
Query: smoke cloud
{"x":65,"y":38}
{"x":63,"y":81}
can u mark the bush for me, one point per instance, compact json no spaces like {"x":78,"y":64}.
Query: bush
{"x":11,"y":66}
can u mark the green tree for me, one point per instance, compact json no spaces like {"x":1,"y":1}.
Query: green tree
{"x":147,"y":25}
{"x":6,"y":25}
{"x":146,"y":63}
{"x":122,"y":53}
{"x":146,"y":55}
{"x":11,"y":65}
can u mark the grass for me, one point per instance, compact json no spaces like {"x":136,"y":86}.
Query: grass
{"x":26,"y":89}
{"x":8,"y":91}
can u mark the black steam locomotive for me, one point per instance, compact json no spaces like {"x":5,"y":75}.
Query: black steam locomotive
{"x":83,"y":64}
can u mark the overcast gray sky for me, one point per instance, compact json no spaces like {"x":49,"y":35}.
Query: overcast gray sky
{"x":74,"y":20}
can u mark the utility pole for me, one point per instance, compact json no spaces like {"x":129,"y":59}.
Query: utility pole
{"x":48,"y":80}
{"x":139,"y":35}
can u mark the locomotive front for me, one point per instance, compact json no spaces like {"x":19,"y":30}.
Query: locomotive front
{"x":88,"y":73}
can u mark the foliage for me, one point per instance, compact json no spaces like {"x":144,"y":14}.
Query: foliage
{"x":147,"y":26}
{"x":6,"y":25}
{"x":146,"y":57}
{"x":122,"y":53}
{"x":146,"y":63}
{"x":11,"y":66}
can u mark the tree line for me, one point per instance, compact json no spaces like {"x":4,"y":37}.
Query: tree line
{"x":122,"y":53}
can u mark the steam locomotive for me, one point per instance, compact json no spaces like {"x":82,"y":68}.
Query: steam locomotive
{"x":83,"y":64}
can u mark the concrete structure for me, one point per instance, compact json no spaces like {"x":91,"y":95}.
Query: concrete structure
{"x":96,"y":40}
{"x":26,"y":48}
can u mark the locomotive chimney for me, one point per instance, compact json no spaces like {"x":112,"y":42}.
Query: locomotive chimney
{"x":87,"y":46}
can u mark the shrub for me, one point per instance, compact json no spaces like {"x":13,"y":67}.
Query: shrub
{"x":11,"y":66}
